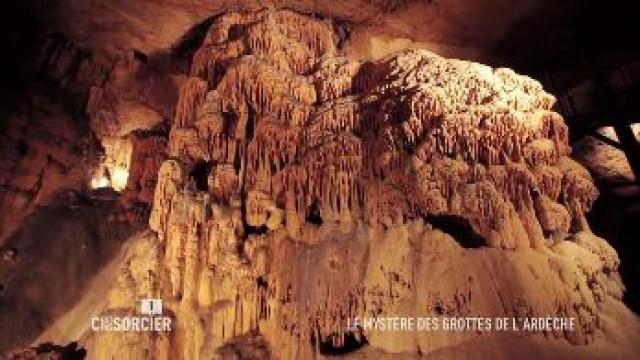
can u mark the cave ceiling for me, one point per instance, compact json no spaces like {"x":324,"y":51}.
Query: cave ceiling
{"x":475,"y":30}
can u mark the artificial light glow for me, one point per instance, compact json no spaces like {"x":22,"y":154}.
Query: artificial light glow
{"x":99,"y":182}
{"x":119,"y":177}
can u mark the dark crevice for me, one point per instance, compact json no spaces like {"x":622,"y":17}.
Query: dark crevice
{"x":313,"y":214}
{"x":236,"y":31}
{"x":200,"y":174}
{"x":140,"y":56}
{"x":159,"y":130}
{"x":343,"y":31}
{"x":255,"y":230}
{"x":459,"y":228}
{"x":191,"y":41}
{"x":262,"y":283}
{"x":351,"y":344}
{"x":251,"y":126}
{"x":69,"y":352}
{"x":237,"y":162}
{"x":230,"y":119}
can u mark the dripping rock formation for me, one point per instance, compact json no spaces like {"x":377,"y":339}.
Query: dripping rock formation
{"x":294,"y":188}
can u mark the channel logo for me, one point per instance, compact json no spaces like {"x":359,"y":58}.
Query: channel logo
{"x":151,"y":307}
{"x":149,"y":320}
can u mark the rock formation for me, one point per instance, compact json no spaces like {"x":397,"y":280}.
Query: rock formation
{"x":302,"y":188}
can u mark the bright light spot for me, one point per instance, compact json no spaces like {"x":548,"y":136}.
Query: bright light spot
{"x":119,"y":177}
{"x":113,"y":172}
{"x":99,"y":182}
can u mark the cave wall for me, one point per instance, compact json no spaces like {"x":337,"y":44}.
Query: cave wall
{"x":302,"y":188}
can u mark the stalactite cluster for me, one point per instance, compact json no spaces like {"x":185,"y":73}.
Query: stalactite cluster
{"x":326,"y":132}
{"x":286,"y":161}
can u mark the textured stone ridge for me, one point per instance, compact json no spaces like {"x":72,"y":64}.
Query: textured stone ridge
{"x":414,"y":134}
{"x":303,"y":188}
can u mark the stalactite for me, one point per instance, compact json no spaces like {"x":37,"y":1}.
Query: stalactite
{"x":291,"y":130}
{"x":192,"y":94}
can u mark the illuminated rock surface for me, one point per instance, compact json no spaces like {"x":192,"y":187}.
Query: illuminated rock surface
{"x":302,"y":189}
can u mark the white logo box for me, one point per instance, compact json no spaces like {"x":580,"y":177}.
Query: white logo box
{"x":151,"y":307}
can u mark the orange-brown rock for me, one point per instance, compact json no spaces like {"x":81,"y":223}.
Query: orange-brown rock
{"x":42,"y":153}
{"x":303,"y":189}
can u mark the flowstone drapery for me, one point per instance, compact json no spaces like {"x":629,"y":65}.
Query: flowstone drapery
{"x":303,"y":188}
